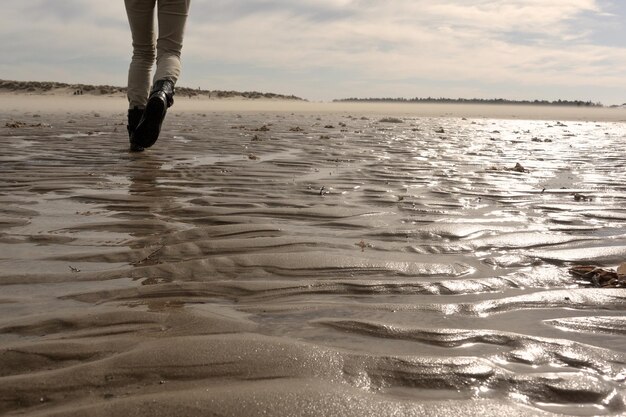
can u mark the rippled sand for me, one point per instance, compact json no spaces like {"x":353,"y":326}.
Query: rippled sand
{"x":311,"y":263}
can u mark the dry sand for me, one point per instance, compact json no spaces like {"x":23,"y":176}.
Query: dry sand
{"x":302,"y":259}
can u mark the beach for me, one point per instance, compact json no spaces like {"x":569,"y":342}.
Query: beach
{"x":288,"y":258}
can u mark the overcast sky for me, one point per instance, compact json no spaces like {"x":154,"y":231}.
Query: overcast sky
{"x":325,"y":49}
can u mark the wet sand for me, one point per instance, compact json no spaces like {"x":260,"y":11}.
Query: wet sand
{"x":279,"y":258}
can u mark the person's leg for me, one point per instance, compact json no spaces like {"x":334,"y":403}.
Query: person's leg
{"x":172,"y":16}
{"x":141,"y":19}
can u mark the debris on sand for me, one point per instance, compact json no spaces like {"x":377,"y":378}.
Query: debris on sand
{"x":440,"y":130}
{"x":582,"y":197}
{"x":601,"y":277}
{"x":15,"y":125}
{"x":19,"y":125}
{"x":362,"y":244}
{"x":391,"y":120}
{"x":517,"y":168}
{"x":264,"y":128}
{"x":296,"y":129}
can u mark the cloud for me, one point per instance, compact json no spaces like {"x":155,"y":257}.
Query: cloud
{"x":321,"y":47}
{"x":405,"y":38}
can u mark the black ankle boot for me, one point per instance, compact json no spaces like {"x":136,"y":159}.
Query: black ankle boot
{"x":149,"y":127}
{"x":134,"y":116}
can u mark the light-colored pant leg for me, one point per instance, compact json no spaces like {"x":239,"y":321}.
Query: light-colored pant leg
{"x":172,"y":16}
{"x":141,"y":19}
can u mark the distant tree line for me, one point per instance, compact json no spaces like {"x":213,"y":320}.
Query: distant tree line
{"x":578,"y":103}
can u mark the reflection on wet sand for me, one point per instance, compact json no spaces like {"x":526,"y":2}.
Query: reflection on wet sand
{"x":311,"y":264}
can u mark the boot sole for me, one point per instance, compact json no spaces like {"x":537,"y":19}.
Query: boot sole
{"x":149,"y":129}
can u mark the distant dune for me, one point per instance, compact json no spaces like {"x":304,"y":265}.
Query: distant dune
{"x":57,"y":88}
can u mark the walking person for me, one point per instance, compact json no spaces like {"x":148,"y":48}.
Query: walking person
{"x":148,"y":105}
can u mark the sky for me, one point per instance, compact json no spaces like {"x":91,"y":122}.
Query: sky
{"x":327,"y":49}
